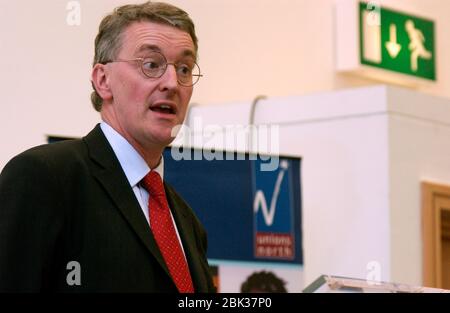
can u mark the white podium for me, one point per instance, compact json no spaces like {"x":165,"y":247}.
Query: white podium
{"x":336,"y":284}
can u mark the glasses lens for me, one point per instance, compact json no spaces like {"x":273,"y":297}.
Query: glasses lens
{"x":188,"y":73}
{"x":154,"y":65}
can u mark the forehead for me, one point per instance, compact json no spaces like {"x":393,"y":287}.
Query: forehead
{"x":171,"y":41}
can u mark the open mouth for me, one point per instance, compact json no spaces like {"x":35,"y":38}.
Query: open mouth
{"x":163,"y":108}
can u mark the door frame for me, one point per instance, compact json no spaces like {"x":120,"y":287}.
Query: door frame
{"x":435,"y":199}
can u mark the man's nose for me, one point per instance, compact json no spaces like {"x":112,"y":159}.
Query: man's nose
{"x":170,"y":78}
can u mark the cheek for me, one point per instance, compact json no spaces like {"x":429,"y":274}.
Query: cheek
{"x":129,"y":87}
{"x":131,"y":99}
{"x":131,"y":90}
{"x":186,"y":97}
{"x":134,"y":98}
{"x":141,"y":90}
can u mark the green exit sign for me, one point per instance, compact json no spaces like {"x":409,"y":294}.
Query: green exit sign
{"x":397,"y":41}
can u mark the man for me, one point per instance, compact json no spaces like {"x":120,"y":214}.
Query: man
{"x":93,"y":214}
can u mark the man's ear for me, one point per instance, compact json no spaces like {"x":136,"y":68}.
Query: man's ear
{"x":100,"y":80}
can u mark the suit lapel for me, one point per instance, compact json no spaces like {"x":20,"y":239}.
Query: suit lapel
{"x":107,"y":170}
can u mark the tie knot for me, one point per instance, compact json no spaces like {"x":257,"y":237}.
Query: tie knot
{"x":152,"y":182}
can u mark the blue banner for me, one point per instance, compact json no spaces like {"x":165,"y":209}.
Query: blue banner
{"x":249,"y":214}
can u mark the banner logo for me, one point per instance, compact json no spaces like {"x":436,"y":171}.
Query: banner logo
{"x":273,"y":224}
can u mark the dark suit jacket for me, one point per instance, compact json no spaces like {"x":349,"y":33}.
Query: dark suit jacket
{"x":71,"y":201}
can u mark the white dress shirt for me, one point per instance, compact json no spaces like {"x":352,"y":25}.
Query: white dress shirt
{"x":135,"y":168}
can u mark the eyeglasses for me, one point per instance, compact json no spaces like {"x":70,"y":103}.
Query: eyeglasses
{"x":154,"y":65}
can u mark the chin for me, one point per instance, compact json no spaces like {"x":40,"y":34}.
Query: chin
{"x":165,"y":140}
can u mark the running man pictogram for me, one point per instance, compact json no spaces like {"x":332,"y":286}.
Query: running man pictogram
{"x":416,"y":45}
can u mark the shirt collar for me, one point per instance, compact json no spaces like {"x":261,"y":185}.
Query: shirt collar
{"x":132,"y":163}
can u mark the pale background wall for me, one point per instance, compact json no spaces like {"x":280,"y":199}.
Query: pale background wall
{"x":419,"y":150}
{"x":247,"y":47}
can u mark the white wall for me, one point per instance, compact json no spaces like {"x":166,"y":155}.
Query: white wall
{"x":343,"y":141}
{"x":419,"y":150}
{"x":248,"y":47}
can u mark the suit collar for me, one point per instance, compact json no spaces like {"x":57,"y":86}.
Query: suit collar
{"x":132,"y":163}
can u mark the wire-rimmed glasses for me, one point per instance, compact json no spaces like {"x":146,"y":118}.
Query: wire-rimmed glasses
{"x":155,"y":64}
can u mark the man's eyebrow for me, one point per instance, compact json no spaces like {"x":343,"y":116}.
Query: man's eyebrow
{"x":148,"y":48}
{"x":189,"y":53}
{"x":145,"y":48}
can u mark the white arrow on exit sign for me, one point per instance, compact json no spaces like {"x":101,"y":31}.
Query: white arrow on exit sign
{"x":392,"y":46}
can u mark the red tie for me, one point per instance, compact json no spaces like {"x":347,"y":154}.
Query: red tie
{"x":164,"y":233}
